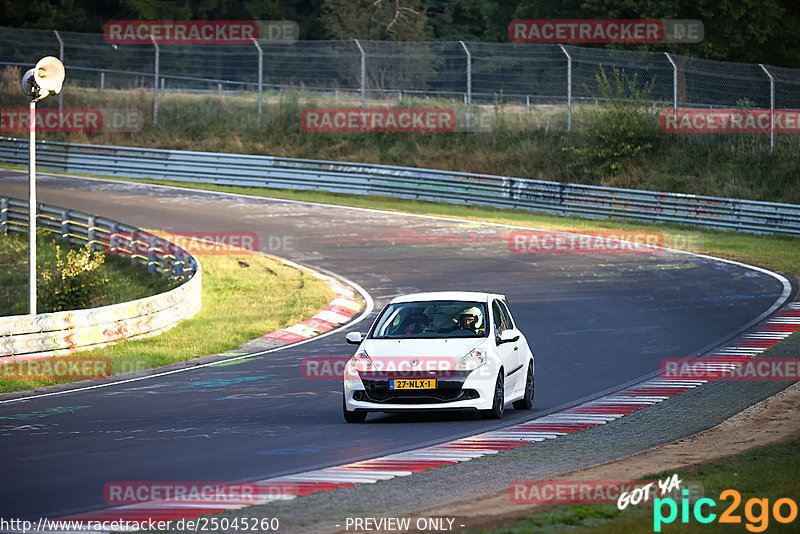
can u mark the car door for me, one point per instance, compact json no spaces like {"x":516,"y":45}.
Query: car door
{"x":518,"y":345}
{"x":509,"y":352}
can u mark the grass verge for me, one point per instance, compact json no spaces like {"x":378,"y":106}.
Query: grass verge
{"x":625,"y":149}
{"x":244,"y":296}
{"x":762,"y":473}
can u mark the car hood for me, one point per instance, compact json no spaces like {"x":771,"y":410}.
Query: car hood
{"x":430,"y":354}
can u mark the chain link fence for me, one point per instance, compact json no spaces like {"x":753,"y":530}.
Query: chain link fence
{"x":474,"y":73}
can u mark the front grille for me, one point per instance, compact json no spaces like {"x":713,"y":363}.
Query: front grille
{"x":448,"y":389}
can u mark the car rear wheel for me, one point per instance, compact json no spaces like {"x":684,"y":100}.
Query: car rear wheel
{"x":526,"y":402}
{"x":352,"y":417}
{"x":498,"y":404}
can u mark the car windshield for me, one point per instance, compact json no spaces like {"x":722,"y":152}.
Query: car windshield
{"x":431,"y":319}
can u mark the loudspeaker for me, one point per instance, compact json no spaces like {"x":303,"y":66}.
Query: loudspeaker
{"x":49,"y":74}
{"x":28,"y":83}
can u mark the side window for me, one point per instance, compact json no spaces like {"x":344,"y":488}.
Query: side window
{"x":506,"y":315}
{"x":497,"y":315}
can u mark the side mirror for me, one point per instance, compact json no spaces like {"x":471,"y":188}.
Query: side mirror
{"x":354,"y":338}
{"x":507,"y":336}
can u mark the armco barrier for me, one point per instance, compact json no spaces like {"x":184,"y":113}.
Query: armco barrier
{"x":408,"y":182}
{"x":52,"y":334}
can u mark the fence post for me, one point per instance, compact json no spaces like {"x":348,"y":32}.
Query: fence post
{"x":155,"y":84}
{"x":771,"y":107}
{"x":260,"y":76}
{"x":61,"y":58}
{"x":102,"y":81}
{"x":569,"y":88}
{"x":363,"y":74}
{"x":469,"y":84}
{"x":674,"y":83}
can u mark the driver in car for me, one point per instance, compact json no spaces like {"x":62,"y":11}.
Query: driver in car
{"x":469,"y":319}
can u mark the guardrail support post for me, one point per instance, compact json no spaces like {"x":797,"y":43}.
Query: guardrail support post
{"x":469,"y":84}
{"x":177,"y":266}
{"x":90,"y":230}
{"x":4,"y":215}
{"x":155,"y":82}
{"x":151,"y":257}
{"x":569,"y":88}
{"x":65,"y":226}
{"x":260,"y":76}
{"x":771,"y":107}
{"x":363,"y":74}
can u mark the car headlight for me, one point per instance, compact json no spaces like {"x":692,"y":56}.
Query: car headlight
{"x":360,"y":363}
{"x":472,"y":361}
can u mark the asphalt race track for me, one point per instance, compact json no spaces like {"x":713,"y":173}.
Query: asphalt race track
{"x":594,"y":321}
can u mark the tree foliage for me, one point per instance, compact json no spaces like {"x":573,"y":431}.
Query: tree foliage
{"x":763,"y":31}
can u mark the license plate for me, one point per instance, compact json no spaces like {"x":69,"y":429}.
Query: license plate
{"x":424,"y":383}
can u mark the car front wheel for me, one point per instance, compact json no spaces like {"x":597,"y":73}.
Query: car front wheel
{"x":352,"y":417}
{"x":498,"y":403}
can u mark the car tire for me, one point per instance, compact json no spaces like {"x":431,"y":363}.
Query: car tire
{"x":526,"y":402}
{"x":354,"y":416}
{"x":498,"y":400}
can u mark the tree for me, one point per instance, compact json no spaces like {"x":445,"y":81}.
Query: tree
{"x":378,"y":20}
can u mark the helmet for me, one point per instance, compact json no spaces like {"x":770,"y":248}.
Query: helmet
{"x":475,"y":311}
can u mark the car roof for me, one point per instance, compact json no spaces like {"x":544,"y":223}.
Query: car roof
{"x":471,"y":296}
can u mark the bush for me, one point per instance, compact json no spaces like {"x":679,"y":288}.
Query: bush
{"x":618,"y":131}
{"x":76,"y":281}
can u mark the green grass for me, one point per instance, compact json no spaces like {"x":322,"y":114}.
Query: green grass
{"x":125,"y":281}
{"x":244,"y":297}
{"x":531,"y":145}
{"x":762,"y":473}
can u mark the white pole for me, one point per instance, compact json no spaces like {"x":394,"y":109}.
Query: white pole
{"x":363,"y":74}
{"x":469,"y":84}
{"x":674,"y":83}
{"x":155,"y":84}
{"x":771,"y":108}
{"x":569,"y":88}
{"x":32,"y":211}
{"x":260,"y":76}
{"x":61,"y":58}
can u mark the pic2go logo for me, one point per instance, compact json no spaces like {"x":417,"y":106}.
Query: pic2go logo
{"x":756,"y":511}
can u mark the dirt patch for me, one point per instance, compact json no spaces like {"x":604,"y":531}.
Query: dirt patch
{"x":769,"y":421}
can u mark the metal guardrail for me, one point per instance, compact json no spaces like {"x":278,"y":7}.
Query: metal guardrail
{"x":52,"y":334}
{"x":409,"y":182}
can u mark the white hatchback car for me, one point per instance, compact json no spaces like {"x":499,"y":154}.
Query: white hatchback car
{"x":449,"y":350}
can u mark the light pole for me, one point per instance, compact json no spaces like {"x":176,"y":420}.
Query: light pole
{"x":45,"y":79}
